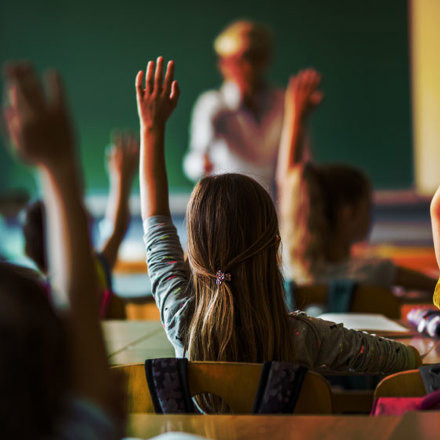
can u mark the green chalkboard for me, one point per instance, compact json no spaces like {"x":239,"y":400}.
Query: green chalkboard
{"x":361,"y":48}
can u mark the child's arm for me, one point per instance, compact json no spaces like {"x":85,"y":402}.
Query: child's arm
{"x":123,"y":160}
{"x":166,"y":267}
{"x":329,"y":346}
{"x":40,"y":127}
{"x":156,"y":101}
{"x":302,"y":96}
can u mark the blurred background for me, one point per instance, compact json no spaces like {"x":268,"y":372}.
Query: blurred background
{"x":361,"y":49}
{"x":379,"y":65}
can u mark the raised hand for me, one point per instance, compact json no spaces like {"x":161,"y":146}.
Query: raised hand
{"x":36,"y":118}
{"x":123,"y":160}
{"x":123,"y":157}
{"x":158,"y":98}
{"x":302,"y":94}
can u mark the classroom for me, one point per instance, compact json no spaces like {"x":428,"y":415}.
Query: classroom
{"x":220,"y":221}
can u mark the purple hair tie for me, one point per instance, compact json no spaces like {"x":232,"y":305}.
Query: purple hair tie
{"x":222,"y":277}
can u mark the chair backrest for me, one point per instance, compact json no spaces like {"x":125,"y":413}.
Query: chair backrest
{"x":235,"y":382}
{"x":366,"y":299}
{"x":404,"y":384}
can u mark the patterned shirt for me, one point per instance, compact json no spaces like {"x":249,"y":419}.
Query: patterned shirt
{"x":318,"y":344}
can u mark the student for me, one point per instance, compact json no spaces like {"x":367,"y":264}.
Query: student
{"x":326,"y":209}
{"x":227,"y":304}
{"x":122,"y":160}
{"x":55,"y":381}
{"x":435,"y":223}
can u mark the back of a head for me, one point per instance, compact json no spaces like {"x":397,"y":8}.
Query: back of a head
{"x":34,"y":234}
{"x":245,"y":36}
{"x":34,"y":374}
{"x":310,"y":212}
{"x":342,"y":185}
{"x":233,"y":227}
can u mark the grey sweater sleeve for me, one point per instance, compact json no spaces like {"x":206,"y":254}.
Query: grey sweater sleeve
{"x":331,"y":347}
{"x":169,"y":277}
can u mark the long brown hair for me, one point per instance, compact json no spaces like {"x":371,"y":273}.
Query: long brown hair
{"x":233,"y":227}
{"x":312,"y":197}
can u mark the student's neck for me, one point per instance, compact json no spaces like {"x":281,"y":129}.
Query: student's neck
{"x":338,"y":250}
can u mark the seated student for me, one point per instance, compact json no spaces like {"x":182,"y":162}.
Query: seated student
{"x":227,"y":303}
{"x":122,"y":163}
{"x":325,"y":209}
{"x":54,"y":381}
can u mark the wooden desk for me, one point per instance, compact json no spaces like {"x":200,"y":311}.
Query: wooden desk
{"x":418,"y":425}
{"x":120,"y":335}
{"x":428,"y":348}
{"x":224,"y":427}
{"x":131,"y":342}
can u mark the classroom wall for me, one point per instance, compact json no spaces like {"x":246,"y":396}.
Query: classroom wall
{"x":425,"y":46}
{"x":361,"y":48}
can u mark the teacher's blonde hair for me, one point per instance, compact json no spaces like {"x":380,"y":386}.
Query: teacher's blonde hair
{"x":244,"y":35}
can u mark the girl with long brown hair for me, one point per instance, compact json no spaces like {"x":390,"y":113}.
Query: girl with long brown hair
{"x":227,"y":303}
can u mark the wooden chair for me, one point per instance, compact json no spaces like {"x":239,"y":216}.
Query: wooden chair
{"x":366,"y":299}
{"x":404,"y":384}
{"x":236,"y":383}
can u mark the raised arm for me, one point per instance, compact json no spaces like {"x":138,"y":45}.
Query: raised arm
{"x":123,"y":160}
{"x":156,"y":101}
{"x":40,"y":128}
{"x":302,"y":96}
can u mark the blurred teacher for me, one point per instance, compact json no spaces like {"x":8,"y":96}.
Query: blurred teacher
{"x":237,"y":128}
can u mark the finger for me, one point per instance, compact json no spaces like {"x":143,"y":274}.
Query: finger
{"x":12,"y":95}
{"x":23,"y":107}
{"x":149,"y":82}
{"x":12,"y":126}
{"x":169,"y":77}
{"x":30,"y":85}
{"x":314,"y":78}
{"x":55,"y":90}
{"x":291,"y":82}
{"x":298,"y":81}
{"x":158,"y":76}
{"x":138,"y":84}
{"x":316,"y":98}
{"x":308,"y":78}
{"x":175,"y":93}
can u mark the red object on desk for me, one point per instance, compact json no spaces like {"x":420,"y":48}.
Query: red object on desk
{"x":397,"y":406}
